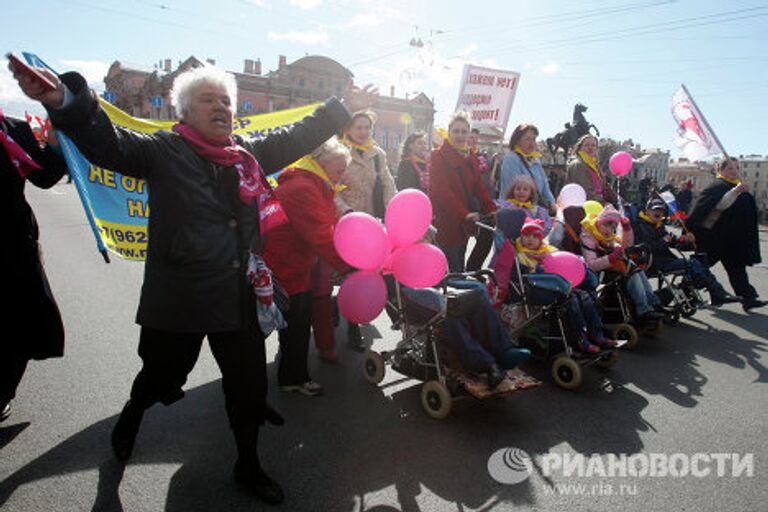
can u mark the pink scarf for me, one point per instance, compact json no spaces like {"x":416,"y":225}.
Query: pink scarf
{"x":23,"y":163}
{"x":253,"y":183}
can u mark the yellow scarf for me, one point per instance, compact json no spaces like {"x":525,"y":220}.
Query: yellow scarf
{"x":591,"y":162}
{"x":364,"y":147}
{"x":649,"y":220}
{"x":463,"y":149}
{"x":532,"y":154}
{"x":524,"y":252}
{"x":309,"y":164}
{"x":521,"y":204}
{"x":590,"y":224}
{"x":728,"y":180}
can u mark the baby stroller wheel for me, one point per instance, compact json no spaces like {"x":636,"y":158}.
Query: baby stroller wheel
{"x":608,"y":361}
{"x":436,"y":399}
{"x":688,"y":311}
{"x":373,"y":367}
{"x":625,"y":332}
{"x":566,"y":372}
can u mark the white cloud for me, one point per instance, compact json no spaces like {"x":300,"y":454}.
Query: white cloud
{"x":319,"y":36}
{"x":256,"y":3}
{"x":306,"y":4}
{"x":550,"y":68}
{"x":13,"y":101}
{"x":94,"y":71}
{"x":382,"y":14}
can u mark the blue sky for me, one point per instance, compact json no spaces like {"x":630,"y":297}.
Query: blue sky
{"x":623,"y":59}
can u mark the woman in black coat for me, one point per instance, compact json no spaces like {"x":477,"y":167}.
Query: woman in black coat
{"x":31,"y":313}
{"x":724,"y":221}
{"x":208,"y":199}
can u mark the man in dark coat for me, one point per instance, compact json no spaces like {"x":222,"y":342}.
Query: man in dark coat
{"x":31,"y":314}
{"x":206,"y":194}
{"x":724,"y":220}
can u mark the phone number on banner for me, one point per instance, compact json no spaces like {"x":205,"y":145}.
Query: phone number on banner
{"x":125,"y":240}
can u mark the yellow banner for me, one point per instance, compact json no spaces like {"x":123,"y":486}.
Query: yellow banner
{"x":118,"y":204}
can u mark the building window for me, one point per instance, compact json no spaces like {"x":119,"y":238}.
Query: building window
{"x":384,"y":140}
{"x":302,"y":82}
{"x":321,"y":85}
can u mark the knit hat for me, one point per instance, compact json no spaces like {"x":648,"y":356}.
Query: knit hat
{"x":533,"y":227}
{"x":609,"y":213}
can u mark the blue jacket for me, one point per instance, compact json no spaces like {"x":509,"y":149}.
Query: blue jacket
{"x":512,"y":165}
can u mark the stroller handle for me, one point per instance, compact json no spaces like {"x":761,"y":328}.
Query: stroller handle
{"x":477,"y":274}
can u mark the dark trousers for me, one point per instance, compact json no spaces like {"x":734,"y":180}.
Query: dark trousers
{"x":697,"y":272}
{"x":483,"y":244}
{"x":294,"y":341}
{"x":168,"y":357}
{"x":12,"y":367}
{"x":737,"y":276}
{"x":455,"y":255}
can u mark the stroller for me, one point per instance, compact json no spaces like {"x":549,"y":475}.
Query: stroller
{"x":534,"y":307}
{"x":613,"y":299}
{"x":423,"y":352}
{"x":677,"y":292}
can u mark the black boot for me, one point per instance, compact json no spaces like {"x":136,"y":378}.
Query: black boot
{"x":248,"y":472}
{"x":354,"y":338}
{"x":126,"y":428}
{"x":495,"y":376}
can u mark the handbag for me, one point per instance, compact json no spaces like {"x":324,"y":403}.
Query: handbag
{"x":379,"y":208}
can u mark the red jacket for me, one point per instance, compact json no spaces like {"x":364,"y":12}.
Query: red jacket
{"x":291,"y":249}
{"x":454,"y":180}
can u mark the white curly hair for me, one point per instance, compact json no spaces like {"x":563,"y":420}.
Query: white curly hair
{"x":187,"y":82}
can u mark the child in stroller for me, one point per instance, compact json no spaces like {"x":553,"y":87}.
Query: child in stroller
{"x":454,"y":341}
{"x":559,"y":322}
{"x":604,"y":250}
{"x":649,"y":229}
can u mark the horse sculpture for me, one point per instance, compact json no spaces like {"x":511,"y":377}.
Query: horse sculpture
{"x":573,"y":131}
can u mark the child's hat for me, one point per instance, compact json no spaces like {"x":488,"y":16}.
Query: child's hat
{"x":609,"y":213}
{"x":533,"y":227}
{"x":656,"y":204}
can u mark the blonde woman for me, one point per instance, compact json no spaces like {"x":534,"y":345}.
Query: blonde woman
{"x":583,"y":169}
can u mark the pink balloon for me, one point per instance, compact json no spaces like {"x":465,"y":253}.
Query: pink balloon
{"x":362,"y":296}
{"x":419,"y":265}
{"x":620,"y":163}
{"x":408,"y":216}
{"x":567,"y":265}
{"x":361,"y":241}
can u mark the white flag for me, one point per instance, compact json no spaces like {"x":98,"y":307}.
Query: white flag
{"x":694,"y":138}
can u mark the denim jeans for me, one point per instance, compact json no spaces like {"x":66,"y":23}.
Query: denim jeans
{"x":641,"y":293}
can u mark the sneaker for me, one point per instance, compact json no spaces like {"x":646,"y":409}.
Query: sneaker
{"x":753,"y":303}
{"x":328,"y":355}
{"x":309,"y":388}
{"x":718,"y":299}
{"x":602,"y":341}
{"x":588,"y":348}
{"x":5,"y":410}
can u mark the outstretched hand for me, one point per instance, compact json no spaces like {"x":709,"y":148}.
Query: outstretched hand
{"x":36,"y":91}
{"x":360,"y":99}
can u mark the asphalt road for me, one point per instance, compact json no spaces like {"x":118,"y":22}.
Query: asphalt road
{"x":670,"y":406}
